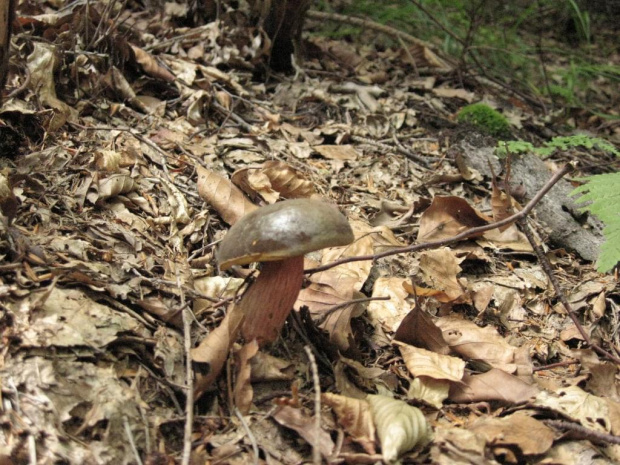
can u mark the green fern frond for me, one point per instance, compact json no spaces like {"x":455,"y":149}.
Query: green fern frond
{"x":603,"y":191}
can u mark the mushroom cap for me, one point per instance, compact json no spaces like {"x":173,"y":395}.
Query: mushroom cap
{"x":283,"y":230}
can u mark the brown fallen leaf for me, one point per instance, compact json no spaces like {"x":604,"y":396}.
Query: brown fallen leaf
{"x":150,"y":65}
{"x":354,"y":416}
{"x":304,"y":425}
{"x":243,"y":392}
{"x":286,"y":180}
{"x":440,"y":269}
{"x":448,"y":216}
{"x":213,"y":350}
{"x":494,"y":385}
{"x":418,"y":329}
{"x":530,"y":436}
{"x":223,"y":196}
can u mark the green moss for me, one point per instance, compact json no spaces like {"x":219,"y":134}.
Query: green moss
{"x":486,"y":119}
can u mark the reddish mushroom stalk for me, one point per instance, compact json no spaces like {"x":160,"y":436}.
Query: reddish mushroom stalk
{"x":268,"y":302}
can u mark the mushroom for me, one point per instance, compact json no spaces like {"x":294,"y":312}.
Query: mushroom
{"x":279,"y":235}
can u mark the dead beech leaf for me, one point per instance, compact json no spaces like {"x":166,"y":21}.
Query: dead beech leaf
{"x":400,"y":426}
{"x":388,"y":313}
{"x":422,"y":362}
{"x":214,"y":348}
{"x":156,"y":306}
{"x":266,"y":367}
{"x":482,"y":344}
{"x":41,"y":65}
{"x":440,"y":268}
{"x":494,"y":385}
{"x":355,"y":418}
{"x":337,"y":152}
{"x":107,"y":160}
{"x":286,"y":180}
{"x":597,"y":413}
{"x":304,"y":425}
{"x":330,"y":289}
{"x":418,"y":329}
{"x":223,"y":196}
{"x":448,"y":216}
{"x":254,"y":183}
{"x":114,"y":185}
{"x":432,"y":391}
{"x":243,"y":392}
{"x":150,"y":65}
{"x":531,"y":436}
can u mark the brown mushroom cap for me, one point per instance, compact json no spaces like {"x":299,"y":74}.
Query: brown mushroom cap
{"x":282,"y":230}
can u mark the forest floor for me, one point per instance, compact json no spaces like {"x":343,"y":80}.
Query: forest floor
{"x":129,"y":147}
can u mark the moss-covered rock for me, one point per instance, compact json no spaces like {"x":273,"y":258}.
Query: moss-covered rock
{"x":485,"y":119}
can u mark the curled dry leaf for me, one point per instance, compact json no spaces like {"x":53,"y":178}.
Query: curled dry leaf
{"x":400,"y":426}
{"x":440,"y":268}
{"x":531,"y":436}
{"x":274,"y":180}
{"x":418,"y":329}
{"x":288,"y":181}
{"x":448,"y":216}
{"x":115,"y":185}
{"x":243,"y":392}
{"x":494,"y":385}
{"x":212,"y":351}
{"x":255,"y":183}
{"x":150,"y":65}
{"x":421,"y":362}
{"x":354,"y":416}
{"x":304,"y":425}
{"x":222,"y":195}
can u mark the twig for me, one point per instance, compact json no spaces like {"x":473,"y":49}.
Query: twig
{"x":331,"y":310}
{"x":316,"y":451}
{"x":248,"y":431}
{"x":132,"y":443}
{"x":189,"y":377}
{"x":586,"y":433}
{"x":390,"y":31}
{"x":556,"y":365}
{"x":544,"y":261}
{"x":459,"y":237}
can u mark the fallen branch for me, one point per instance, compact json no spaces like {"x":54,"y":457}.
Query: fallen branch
{"x":459,"y":237}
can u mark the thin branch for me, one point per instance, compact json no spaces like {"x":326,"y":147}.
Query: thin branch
{"x":585,"y":433}
{"x":544,"y":261}
{"x":316,"y":451}
{"x":459,"y":237}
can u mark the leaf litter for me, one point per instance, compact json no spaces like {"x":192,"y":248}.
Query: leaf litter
{"x":138,"y":150}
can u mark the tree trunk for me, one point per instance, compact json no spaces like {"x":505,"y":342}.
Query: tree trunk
{"x":7,"y":8}
{"x":283,"y":22}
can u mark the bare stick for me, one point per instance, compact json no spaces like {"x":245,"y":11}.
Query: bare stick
{"x":586,"y":433}
{"x":459,"y":237}
{"x":189,"y":377}
{"x":316,"y":451}
{"x":544,"y":262}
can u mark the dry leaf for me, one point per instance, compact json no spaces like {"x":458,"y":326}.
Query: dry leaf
{"x":530,"y":436}
{"x":243,"y":392}
{"x":448,"y":216}
{"x":355,"y":418}
{"x":213,"y":349}
{"x":418,"y":329}
{"x":400,"y":426}
{"x":440,"y":268}
{"x":494,"y":385}
{"x":337,"y":152}
{"x":223,"y":196}
{"x":296,"y":420}
{"x":422,"y":362}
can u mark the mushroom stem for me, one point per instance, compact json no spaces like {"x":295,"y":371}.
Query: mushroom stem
{"x":268,"y":302}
